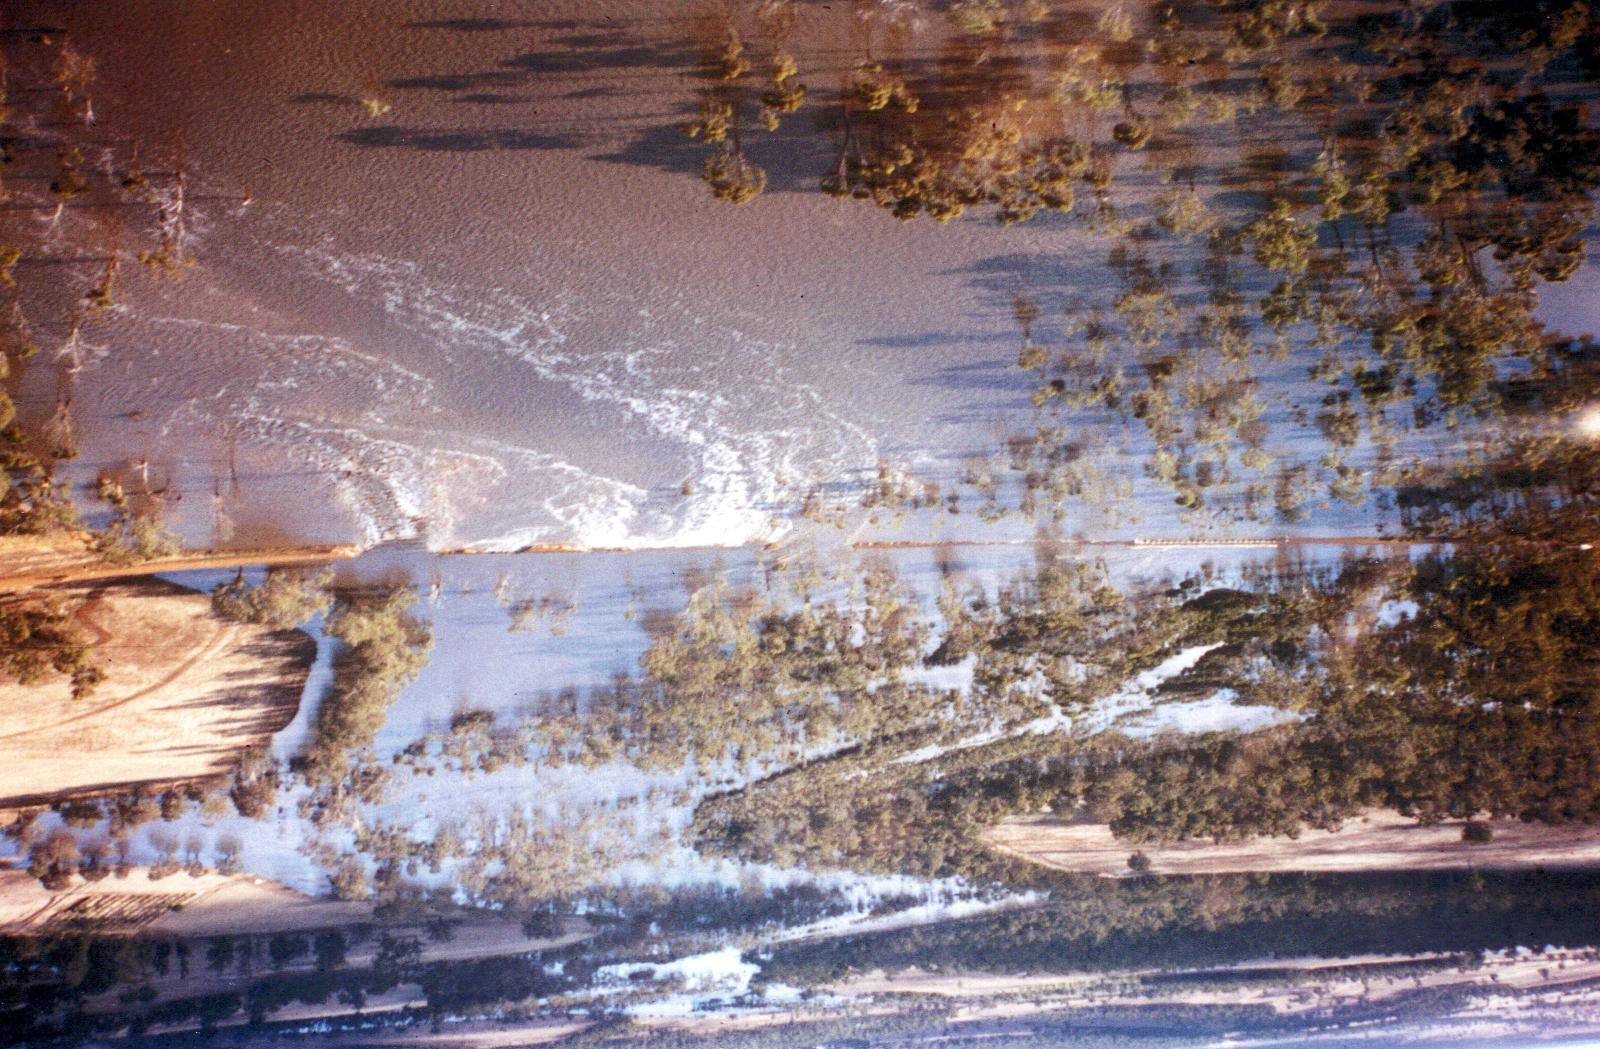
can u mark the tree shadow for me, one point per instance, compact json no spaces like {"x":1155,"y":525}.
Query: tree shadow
{"x":1046,"y":278}
{"x":592,"y":59}
{"x":325,"y":98}
{"x":594,"y":92}
{"x":437,"y":140}
{"x":473,"y":25}
{"x":458,"y":81}
{"x":491,"y":98}
{"x":578,"y":55}
{"x":928,"y":340}
{"x":978,"y":375}
{"x":794,"y":156}
{"x":993,"y":377}
{"x":791,"y":156}
{"x":518,"y":79}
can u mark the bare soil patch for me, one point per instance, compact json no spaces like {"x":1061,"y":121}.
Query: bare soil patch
{"x":962,"y":984}
{"x":1378,"y":840}
{"x":178,"y":905}
{"x":187,"y":906}
{"x":184,"y":693}
{"x":476,"y":1034}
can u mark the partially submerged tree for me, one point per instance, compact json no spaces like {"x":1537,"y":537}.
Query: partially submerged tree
{"x":285,"y":599}
{"x":383,"y":648}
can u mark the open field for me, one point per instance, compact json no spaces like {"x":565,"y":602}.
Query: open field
{"x":183,"y":906}
{"x":187,"y":906}
{"x":515,"y":1036}
{"x":481,"y":1034}
{"x":31,"y":557}
{"x":184,"y":693}
{"x":1377,"y":841}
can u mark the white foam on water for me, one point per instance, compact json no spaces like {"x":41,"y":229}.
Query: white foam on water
{"x":745,"y":428}
{"x":396,"y":477}
{"x":375,"y":426}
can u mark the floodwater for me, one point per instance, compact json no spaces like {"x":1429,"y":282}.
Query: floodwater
{"x":785,"y":440}
{"x":490,"y":318}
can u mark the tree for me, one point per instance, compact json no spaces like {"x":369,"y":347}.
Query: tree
{"x":136,"y":536}
{"x":732,"y":177}
{"x":287,"y":598}
{"x":39,"y":637}
{"x":54,"y":859}
{"x":1282,"y":242}
{"x":383,"y":649}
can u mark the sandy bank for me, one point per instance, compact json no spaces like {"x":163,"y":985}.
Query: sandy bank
{"x":184,"y":906}
{"x":184,"y":693}
{"x":178,"y":905}
{"x":1376,"y":841}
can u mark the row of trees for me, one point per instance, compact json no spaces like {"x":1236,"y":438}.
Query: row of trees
{"x":1100,"y":924}
{"x":382,"y":649}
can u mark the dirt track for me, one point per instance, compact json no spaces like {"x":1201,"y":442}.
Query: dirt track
{"x":32,"y":561}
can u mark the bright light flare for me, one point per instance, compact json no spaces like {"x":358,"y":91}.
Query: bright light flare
{"x":1589,"y":423}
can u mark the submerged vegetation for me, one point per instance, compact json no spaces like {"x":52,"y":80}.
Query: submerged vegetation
{"x":1370,"y":195}
{"x":67,"y":186}
{"x":285,"y":599}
